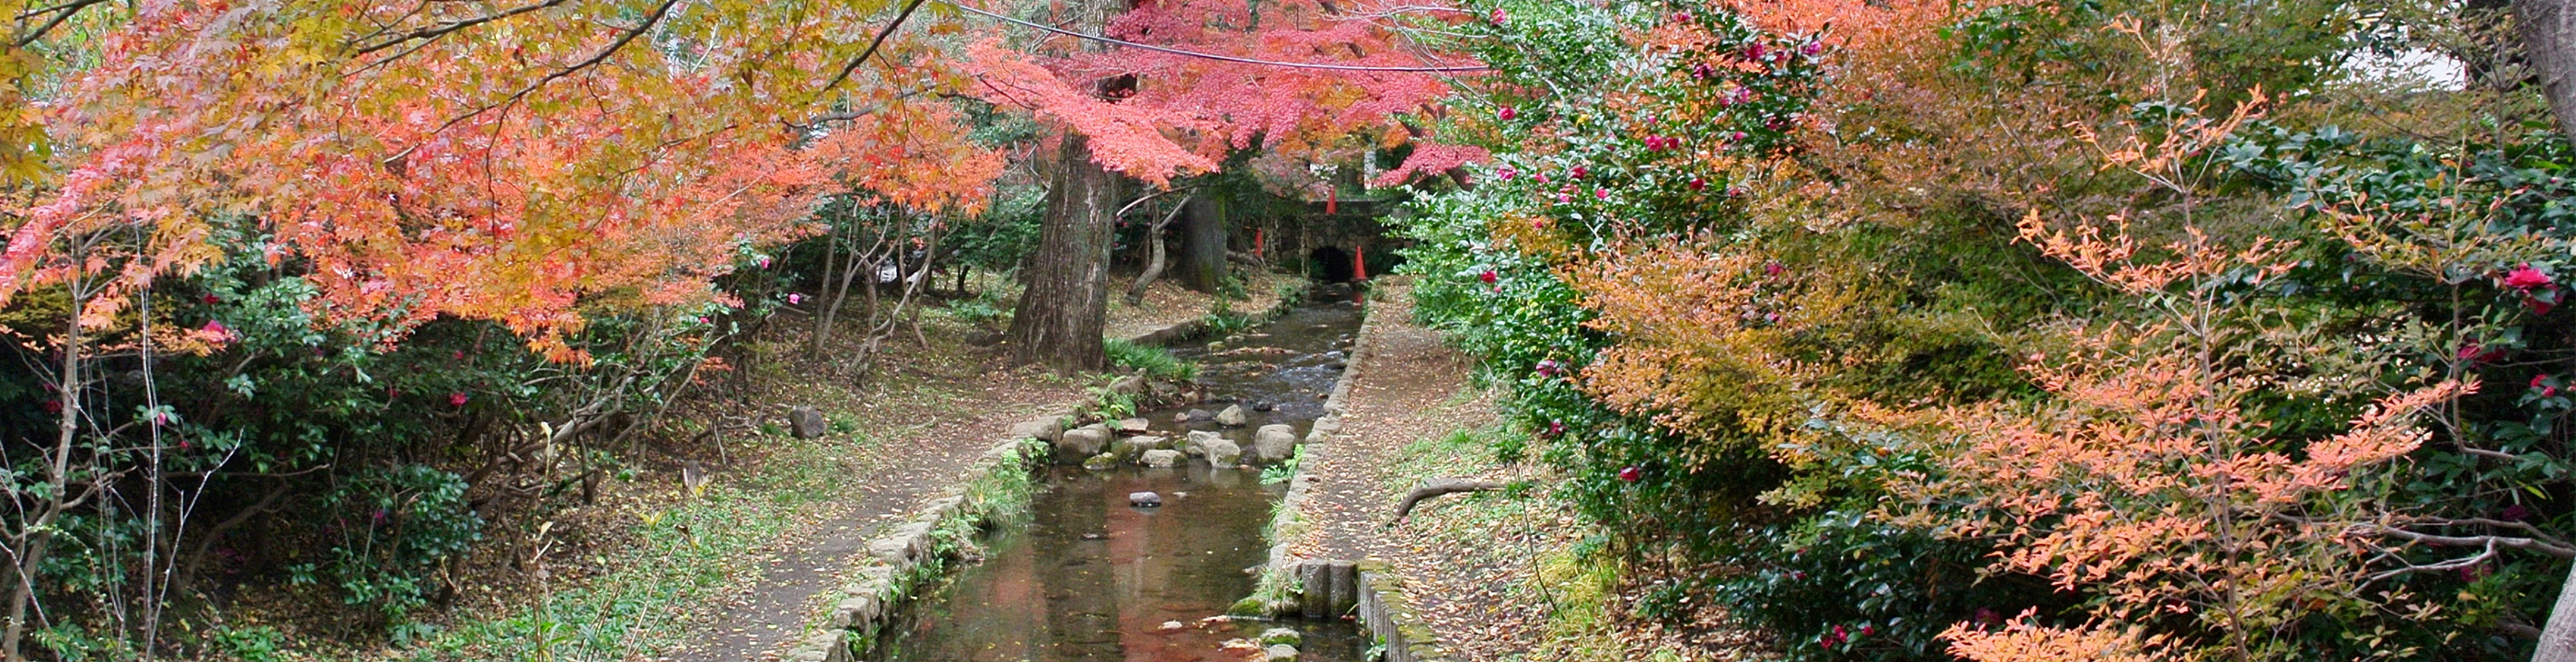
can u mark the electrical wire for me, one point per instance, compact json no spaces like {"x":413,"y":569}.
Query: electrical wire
{"x":1210,"y":56}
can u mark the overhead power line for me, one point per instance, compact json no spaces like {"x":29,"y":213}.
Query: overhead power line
{"x":1209,"y":56}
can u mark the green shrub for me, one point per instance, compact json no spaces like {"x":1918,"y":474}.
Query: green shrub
{"x":1154,"y":362}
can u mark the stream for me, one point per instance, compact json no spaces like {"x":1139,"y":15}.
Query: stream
{"x":1092,"y":578}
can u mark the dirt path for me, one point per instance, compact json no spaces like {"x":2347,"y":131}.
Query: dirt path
{"x":761,"y":621}
{"x":927,"y":431}
{"x":1466,"y":560}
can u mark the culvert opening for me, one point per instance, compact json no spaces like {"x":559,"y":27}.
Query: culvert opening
{"x":1330,"y":265}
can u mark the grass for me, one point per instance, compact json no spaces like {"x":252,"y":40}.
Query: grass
{"x":1154,"y":362}
{"x":687,"y":553}
{"x":1528,"y":528}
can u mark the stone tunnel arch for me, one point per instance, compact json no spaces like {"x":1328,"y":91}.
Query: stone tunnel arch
{"x":1329,"y":264}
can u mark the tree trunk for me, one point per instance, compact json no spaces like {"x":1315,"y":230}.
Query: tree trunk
{"x":1155,"y":263}
{"x":1202,"y":263}
{"x":35,"y":536}
{"x":2558,"y":636}
{"x":1065,"y":306}
{"x":2548,"y":32}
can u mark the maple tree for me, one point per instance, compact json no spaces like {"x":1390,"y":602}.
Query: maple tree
{"x":538,"y":165}
{"x":1293,"y":79}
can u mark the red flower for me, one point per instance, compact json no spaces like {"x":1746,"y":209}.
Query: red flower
{"x":1773,"y":268}
{"x":1488,"y":276}
{"x":1498,"y":16}
{"x":2523,"y":277}
{"x":2545,"y":389}
{"x":1579,"y":172}
{"x":211,"y":299}
{"x":1631,"y":473}
{"x":1540,"y":178}
{"x":53,"y":406}
{"x":1868,"y":631}
{"x":1548,"y":367}
{"x":1507,"y":113}
{"x":1556,"y":428}
{"x":1508,"y":173}
{"x":1601,"y":193}
{"x":2538,"y":305}
{"x":1698,"y":183}
{"x":457,"y":399}
{"x":217,"y":332}
{"x":1538,"y":224}
{"x":458,"y":355}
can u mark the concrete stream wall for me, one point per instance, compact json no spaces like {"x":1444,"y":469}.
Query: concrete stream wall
{"x":1330,"y":588}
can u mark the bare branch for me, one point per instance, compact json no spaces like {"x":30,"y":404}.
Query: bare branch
{"x":882,"y":34}
{"x":2508,"y":542}
{"x":432,"y":33}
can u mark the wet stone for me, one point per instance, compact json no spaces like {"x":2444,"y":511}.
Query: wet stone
{"x":1144,"y":499}
{"x":1162,"y":457}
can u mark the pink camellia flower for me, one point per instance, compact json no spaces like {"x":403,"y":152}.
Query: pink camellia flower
{"x":1698,"y":183}
{"x":211,"y":299}
{"x":1540,"y":178}
{"x":457,"y":399}
{"x":1811,"y":48}
{"x":1548,"y":367}
{"x":1754,"y":52}
{"x":1498,"y":16}
{"x":1578,"y":172}
{"x":1563,"y":198}
{"x":1556,"y":428}
{"x":1508,"y":173}
{"x":764,"y":262}
{"x":1601,"y":193}
{"x":1488,"y":277}
{"x":458,"y":355}
{"x":217,"y":333}
{"x":2541,"y":382}
{"x":1773,"y":268}
{"x":2540,"y":305}
{"x":1538,"y":224}
{"x":1867,"y":631}
{"x":795,"y":298}
{"x":703,"y":320}
{"x":1631,"y":473}
{"x":2523,"y":277}
{"x":1507,"y":113}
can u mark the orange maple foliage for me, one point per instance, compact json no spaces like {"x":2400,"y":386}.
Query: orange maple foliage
{"x":456,"y":159}
{"x":1703,"y":332}
{"x":2140,"y":479}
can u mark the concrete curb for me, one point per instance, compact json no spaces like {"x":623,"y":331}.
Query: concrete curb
{"x":917,"y":552}
{"x":1196,"y":328}
{"x":1330,"y":588}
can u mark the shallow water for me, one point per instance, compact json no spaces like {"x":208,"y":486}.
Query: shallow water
{"x":1092,"y":578}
